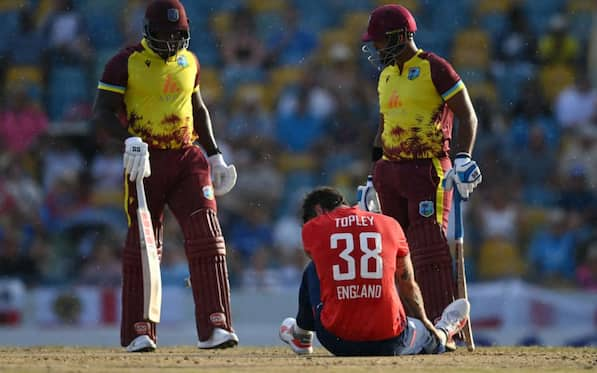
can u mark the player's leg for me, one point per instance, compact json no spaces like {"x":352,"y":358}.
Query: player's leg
{"x":136,"y":333}
{"x":389,"y":190}
{"x":428,"y":208}
{"x":298,"y":333}
{"x":192,"y":203}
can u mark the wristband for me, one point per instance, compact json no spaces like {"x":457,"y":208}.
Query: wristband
{"x":376,"y":153}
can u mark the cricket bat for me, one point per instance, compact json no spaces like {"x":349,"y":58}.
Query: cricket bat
{"x":152,"y":278}
{"x":460,"y":270}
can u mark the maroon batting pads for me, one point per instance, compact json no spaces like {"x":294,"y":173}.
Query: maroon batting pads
{"x":430,"y":254}
{"x":206,"y":253}
{"x":132,"y":324}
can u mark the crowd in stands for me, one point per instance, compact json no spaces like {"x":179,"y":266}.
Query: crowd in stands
{"x":294,"y":105}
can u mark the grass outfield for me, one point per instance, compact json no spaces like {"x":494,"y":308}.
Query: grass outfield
{"x":281,"y":359}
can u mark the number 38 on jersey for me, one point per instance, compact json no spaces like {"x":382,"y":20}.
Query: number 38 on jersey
{"x":360,"y":259}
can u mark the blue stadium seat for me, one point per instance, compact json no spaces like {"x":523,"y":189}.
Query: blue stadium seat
{"x":68,"y":86}
{"x":104,"y":30}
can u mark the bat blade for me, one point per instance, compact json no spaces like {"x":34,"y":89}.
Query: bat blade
{"x":152,"y":279}
{"x":463,"y":293}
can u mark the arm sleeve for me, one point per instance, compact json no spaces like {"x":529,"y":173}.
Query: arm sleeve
{"x":115,"y":76}
{"x":401,"y":243}
{"x":446,"y":80}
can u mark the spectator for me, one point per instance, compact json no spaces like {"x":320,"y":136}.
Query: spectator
{"x":243,"y":52}
{"x":22,"y":122}
{"x":576,"y":105}
{"x":498,"y":219}
{"x":558,"y":46}
{"x":534,"y":165}
{"x":517,"y":44}
{"x":67,"y":38}
{"x":293,"y":44}
{"x":552,"y":252}
{"x":26,"y":46}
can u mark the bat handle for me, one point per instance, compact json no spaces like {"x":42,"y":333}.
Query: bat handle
{"x":458,"y":225}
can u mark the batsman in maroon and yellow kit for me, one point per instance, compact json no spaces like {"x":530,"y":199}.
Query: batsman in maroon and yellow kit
{"x":419,"y":95}
{"x":155,"y":85}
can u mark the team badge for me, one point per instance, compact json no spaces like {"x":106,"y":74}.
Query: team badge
{"x":413,"y":73}
{"x":426,"y":208}
{"x":173,"y":15}
{"x":182,"y":61}
{"x":208,"y":192}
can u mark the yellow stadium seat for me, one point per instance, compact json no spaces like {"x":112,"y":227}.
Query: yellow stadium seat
{"x":554,"y":78}
{"x":8,"y":5}
{"x":580,"y":6}
{"x":499,"y":258}
{"x":220,"y":23}
{"x":24,"y":75}
{"x":492,"y":6}
{"x":356,"y":21}
{"x":412,"y":5}
{"x":471,"y":48}
{"x":484,"y":90}
{"x":258,"y":6}
{"x":211,"y":86}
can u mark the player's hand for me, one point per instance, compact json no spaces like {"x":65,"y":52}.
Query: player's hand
{"x":367,"y":196}
{"x":465,"y":174}
{"x":223,"y":176}
{"x":136,"y":158}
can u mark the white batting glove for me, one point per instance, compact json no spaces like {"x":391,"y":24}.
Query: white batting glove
{"x":367,"y":196}
{"x":223,"y":176}
{"x":136,"y":158}
{"x":465,"y":174}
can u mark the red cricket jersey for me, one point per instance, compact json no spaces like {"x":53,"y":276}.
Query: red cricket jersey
{"x":355,"y":252}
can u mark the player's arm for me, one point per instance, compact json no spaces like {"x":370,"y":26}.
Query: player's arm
{"x":202,"y":124}
{"x":408,"y":287}
{"x":106,"y":109}
{"x":463,"y":109}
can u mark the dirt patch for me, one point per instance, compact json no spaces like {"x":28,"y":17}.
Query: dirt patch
{"x":281,"y":359}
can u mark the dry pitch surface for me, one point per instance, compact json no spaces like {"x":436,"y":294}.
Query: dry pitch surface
{"x":281,"y":359}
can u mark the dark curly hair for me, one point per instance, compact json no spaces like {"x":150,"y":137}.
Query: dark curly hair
{"x":326,"y":197}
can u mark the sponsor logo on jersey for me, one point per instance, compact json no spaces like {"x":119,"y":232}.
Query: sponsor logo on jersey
{"x":182,"y":61}
{"x":208,"y":192}
{"x":426,"y":208}
{"x":413,"y":73}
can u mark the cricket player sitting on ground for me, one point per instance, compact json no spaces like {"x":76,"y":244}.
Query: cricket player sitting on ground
{"x":155,"y":86}
{"x":348,"y":295}
{"x":419,"y":95}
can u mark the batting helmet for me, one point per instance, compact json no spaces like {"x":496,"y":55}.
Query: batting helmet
{"x":166,"y":18}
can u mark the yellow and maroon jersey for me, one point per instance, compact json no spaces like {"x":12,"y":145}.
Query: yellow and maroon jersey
{"x":157,"y":94}
{"x":355,"y":253}
{"x":417,"y":122}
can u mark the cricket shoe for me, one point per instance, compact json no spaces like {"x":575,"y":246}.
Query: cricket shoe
{"x":219,"y":339}
{"x":454,"y":318}
{"x":141,"y":344}
{"x":302,"y":344}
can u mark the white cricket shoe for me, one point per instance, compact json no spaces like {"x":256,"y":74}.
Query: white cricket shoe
{"x":141,"y":344}
{"x":301,"y":344}
{"x":220,"y":338}
{"x":454,"y":317}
